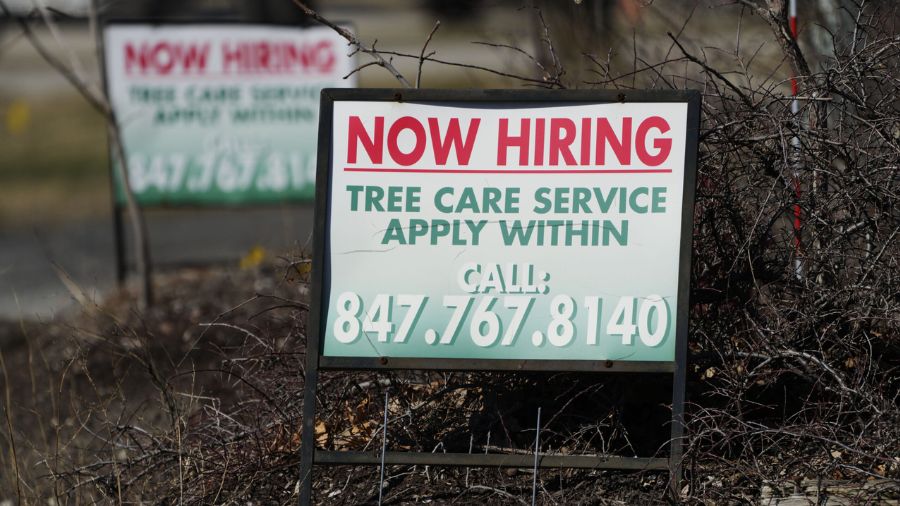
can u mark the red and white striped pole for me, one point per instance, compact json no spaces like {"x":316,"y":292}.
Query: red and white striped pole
{"x":795,"y":142}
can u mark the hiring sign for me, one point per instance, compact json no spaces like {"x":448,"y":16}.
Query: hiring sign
{"x":529,"y":229}
{"x":502,"y":230}
{"x":221,"y":113}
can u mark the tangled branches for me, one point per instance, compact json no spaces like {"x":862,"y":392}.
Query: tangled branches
{"x":797,"y":331}
{"x":794,"y":333}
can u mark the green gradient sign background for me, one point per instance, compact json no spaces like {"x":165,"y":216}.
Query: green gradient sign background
{"x":363,"y":261}
{"x":215,"y":114}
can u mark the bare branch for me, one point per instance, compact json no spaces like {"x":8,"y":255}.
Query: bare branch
{"x":354,"y":41}
{"x":422,"y":57}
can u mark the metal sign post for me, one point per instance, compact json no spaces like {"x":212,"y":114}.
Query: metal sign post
{"x":589,"y":194}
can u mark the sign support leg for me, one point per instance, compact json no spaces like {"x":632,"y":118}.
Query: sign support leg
{"x":383,"y":448}
{"x":308,"y":437}
{"x":676,"y":449}
{"x":119,"y":239}
{"x":537,"y":452}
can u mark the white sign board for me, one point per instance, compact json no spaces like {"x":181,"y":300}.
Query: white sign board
{"x":221,"y":113}
{"x":507,"y":230}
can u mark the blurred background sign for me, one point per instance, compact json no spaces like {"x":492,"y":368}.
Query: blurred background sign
{"x":221,"y":113}
{"x":54,"y":179}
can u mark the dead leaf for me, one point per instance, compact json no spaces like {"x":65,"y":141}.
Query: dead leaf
{"x":253,"y":258}
{"x":321,"y":433}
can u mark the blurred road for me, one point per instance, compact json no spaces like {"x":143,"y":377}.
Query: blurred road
{"x":30,"y":286}
{"x":398,"y":25}
{"x":83,"y":247}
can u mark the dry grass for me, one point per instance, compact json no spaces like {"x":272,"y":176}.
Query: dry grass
{"x":53,"y":165}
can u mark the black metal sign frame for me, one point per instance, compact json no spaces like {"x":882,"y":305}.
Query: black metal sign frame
{"x":320,"y":281}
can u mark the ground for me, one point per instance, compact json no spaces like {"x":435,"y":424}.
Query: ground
{"x":199,"y":399}
{"x":77,"y":386}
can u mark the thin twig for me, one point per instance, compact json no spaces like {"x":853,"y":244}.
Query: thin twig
{"x":354,"y":41}
{"x":422,"y":57}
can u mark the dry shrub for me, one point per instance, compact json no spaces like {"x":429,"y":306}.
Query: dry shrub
{"x":794,"y":336}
